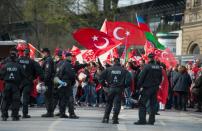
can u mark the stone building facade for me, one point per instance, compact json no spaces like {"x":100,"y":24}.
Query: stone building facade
{"x":192,"y":28}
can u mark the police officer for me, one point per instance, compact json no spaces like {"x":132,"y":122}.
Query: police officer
{"x":32,"y":69}
{"x":149,"y":81}
{"x":66,"y":79}
{"x":48,"y":68}
{"x":58,"y":61}
{"x":115,"y":78}
{"x":12,"y":73}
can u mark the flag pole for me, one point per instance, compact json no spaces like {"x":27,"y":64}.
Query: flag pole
{"x":137,"y":20}
{"x":125,"y":50}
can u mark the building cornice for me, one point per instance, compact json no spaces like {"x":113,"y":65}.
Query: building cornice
{"x":193,"y":24}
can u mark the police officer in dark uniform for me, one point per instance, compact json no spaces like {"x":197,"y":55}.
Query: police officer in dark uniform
{"x":12,"y":73}
{"x":149,"y":81}
{"x":32,"y":70}
{"x":48,"y":68}
{"x":115,"y":78}
{"x":66,"y":79}
{"x":58,"y":61}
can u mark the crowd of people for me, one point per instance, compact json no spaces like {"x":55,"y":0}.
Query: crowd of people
{"x":69,"y":83}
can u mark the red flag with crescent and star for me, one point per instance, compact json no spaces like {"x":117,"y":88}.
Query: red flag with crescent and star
{"x":125,"y":32}
{"x":95,"y":40}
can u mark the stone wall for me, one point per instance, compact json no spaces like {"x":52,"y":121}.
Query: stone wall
{"x":192,"y":34}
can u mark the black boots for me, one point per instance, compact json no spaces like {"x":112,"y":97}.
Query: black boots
{"x":47,"y":115}
{"x":26,"y":116}
{"x":16,"y":118}
{"x":140,"y":123}
{"x":4,"y":118}
{"x":73,"y":116}
{"x":105,"y":120}
{"x":115,"y":119}
{"x":64,"y":116}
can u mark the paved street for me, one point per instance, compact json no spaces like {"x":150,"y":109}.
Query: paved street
{"x":91,"y":121}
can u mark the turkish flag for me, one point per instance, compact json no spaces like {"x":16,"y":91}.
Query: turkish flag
{"x":162,"y":94}
{"x":75,"y":51}
{"x":125,"y":32}
{"x":95,"y":40}
{"x":89,"y":55}
{"x":168,"y":58}
{"x":32,"y":51}
{"x":165,"y":56}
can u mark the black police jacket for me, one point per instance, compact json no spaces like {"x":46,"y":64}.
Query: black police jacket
{"x":48,"y":68}
{"x":115,"y":77}
{"x":12,"y":72}
{"x":31,"y":68}
{"x":150,"y":76}
{"x":66,"y":72}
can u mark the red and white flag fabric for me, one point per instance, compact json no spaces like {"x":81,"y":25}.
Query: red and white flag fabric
{"x":95,"y":40}
{"x":131,"y":54}
{"x":89,"y":56}
{"x":164,"y":56}
{"x":162,"y":94}
{"x":32,"y":51}
{"x":115,"y":53}
{"x":75,"y":51}
{"x":125,"y":32}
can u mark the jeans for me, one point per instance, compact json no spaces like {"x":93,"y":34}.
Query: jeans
{"x":127,"y":93}
{"x":89,"y":94}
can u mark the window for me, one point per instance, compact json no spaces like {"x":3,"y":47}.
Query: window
{"x":197,"y":3}
{"x":195,"y":49}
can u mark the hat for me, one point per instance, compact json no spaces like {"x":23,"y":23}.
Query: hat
{"x":151,"y":55}
{"x":45,"y":50}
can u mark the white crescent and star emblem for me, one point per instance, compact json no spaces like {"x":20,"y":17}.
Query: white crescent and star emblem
{"x":115,"y":33}
{"x":164,"y":55}
{"x":95,"y":38}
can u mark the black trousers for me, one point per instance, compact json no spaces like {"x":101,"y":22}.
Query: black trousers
{"x":148,"y":95}
{"x":70,"y":100}
{"x":27,"y":89}
{"x":182,"y":98}
{"x":64,"y":98}
{"x":11,"y":96}
{"x":114,"y":98}
{"x":49,"y":97}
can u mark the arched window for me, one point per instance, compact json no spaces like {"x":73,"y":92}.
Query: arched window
{"x":194,"y":49}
